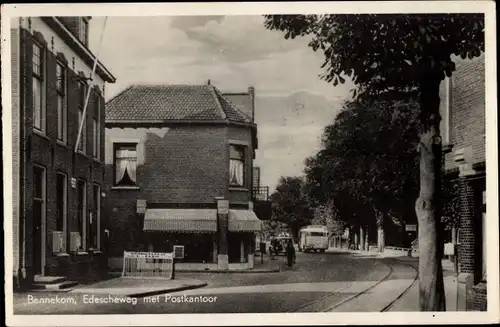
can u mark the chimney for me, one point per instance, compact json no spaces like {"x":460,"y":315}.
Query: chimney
{"x":78,"y":26}
{"x":251,"y":94}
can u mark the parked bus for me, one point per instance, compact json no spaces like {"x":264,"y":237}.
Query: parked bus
{"x":313,"y":238}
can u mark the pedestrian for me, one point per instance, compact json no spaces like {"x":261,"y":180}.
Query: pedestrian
{"x":290,"y":253}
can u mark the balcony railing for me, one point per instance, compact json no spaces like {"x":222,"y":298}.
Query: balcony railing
{"x":260,"y":193}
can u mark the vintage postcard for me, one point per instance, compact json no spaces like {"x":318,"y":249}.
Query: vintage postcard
{"x":265,"y":163}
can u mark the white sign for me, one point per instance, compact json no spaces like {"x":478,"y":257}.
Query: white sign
{"x":148,"y":255}
{"x":223,"y":207}
{"x":411,"y":228}
{"x":179,"y":251}
{"x":449,"y":249}
{"x":73,"y":182}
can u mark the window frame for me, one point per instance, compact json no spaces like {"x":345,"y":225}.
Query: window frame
{"x":82,"y":90}
{"x":96,"y":128}
{"x":117,"y":146}
{"x":39,"y":77}
{"x":243,"y":149}
{"x":62,"y":99}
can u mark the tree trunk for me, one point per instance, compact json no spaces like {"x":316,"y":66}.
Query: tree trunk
{"x":361,"y":238}
{"x":380,"y":238}
{"x":428,"y":206}
{"x":380,"y":231}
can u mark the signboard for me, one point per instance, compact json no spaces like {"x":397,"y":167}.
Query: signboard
{"x":73,"y":182}
{"x":141,"y":206}
{"x":148,"y":255}
{"x":223,"y":207}
{"x":411,"y":228}
{"x":449,"y":249}
{"x":179,"y":251}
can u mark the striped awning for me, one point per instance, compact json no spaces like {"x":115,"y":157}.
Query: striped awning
{"x":244,"y":221}
{"x":181,"y":220}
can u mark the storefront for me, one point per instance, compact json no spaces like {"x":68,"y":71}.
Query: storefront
{"x":198,"y":230}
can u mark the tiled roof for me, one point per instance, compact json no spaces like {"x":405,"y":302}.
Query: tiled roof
{"x":172,"y":102}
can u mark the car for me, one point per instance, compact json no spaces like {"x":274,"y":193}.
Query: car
{"x":278,"y":245}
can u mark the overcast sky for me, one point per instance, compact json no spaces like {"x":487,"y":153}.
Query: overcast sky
{"x":233,"y":52}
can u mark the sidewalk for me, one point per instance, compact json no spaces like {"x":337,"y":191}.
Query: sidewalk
{"x":139,"y":287}
{"x":409,"y":301}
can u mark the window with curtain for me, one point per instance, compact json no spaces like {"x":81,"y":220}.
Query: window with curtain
{"x":38,"y":87}
{"x":61,"y":102}
{"x":236,"y":165}
{"x":125,"y":164}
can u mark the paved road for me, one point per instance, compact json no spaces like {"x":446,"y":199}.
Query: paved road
{"x":315,"y":283}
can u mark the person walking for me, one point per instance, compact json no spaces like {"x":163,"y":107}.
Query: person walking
{"x":290,"y":253}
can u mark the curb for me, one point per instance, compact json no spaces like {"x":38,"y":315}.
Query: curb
{"x":229,"y":271}
{"x":171,"y":290}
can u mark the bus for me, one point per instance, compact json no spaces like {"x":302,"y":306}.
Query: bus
{"x":313,"y":238}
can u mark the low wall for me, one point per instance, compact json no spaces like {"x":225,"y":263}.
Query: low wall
{"x":116,"y":264}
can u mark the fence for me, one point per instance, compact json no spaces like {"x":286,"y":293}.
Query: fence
{"x":147,"y":264}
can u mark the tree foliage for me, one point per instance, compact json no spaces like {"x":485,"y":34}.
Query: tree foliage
{"x":386,"y":51}
{"x":383,"y":53}
{"x":290,"y":204}
{"x":367,"y":157}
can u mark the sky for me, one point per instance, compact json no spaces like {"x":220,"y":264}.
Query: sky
{"x":234,"y":52}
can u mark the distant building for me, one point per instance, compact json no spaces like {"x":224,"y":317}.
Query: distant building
{"x":256,"y":177}
{"x":173,"y":152}
{"x":463,"y":132}
{"x":57,"y":194}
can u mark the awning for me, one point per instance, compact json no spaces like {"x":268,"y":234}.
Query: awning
{"x":181,"y":220}
{"x":244,"y":221}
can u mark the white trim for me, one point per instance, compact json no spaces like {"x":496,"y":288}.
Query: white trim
{"x":447,"y":107}
{"x":125,"y":140}
{"x":98,"y":213}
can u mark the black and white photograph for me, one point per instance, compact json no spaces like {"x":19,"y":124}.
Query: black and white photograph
{"x":278,"y":163}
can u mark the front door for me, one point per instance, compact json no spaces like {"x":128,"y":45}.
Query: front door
{"x":38,"y":218}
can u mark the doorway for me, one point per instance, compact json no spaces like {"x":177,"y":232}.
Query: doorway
{"x":38,"y":220}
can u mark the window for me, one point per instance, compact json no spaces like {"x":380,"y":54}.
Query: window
{"x":81,"y":196}
{"x":125,"y":164}
{"x":83,"y":137}
{"x":61,"y":102}
{"x":38,"y":88}
{"x":95,"y":219}
{"x":96,"y":144}
{"x":236,"y":165}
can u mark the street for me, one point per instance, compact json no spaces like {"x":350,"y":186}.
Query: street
{"x":316,"y":283}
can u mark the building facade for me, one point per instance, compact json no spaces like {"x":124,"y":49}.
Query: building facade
{"x":56,"y":192}
{"x":463,"y":131}
{"x":179,"y":164}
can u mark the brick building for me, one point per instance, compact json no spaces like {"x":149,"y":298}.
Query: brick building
{"x":174,"y":155}
{"x":463,"y":132}
{"x":56,"y":193}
